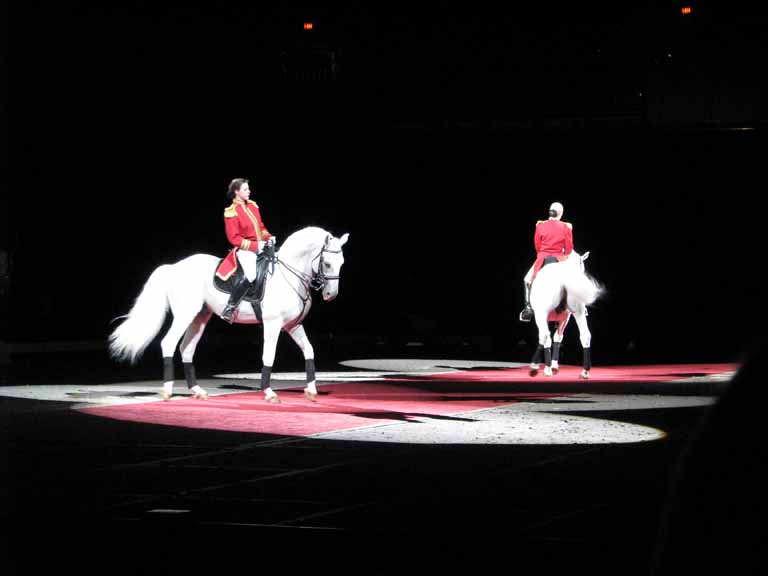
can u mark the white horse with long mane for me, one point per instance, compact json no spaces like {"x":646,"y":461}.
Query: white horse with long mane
{"x":309,"y":259}
{"x":559,"y":283}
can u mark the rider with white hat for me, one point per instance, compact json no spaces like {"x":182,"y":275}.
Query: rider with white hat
{"x":553,"y":238}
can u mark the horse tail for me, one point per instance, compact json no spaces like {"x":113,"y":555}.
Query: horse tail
{"x":583,"y":288}
{"x":129,"y":340}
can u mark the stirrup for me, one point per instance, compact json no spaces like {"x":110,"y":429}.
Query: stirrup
{"x":228,"y":314}
{"x":526,"y":315}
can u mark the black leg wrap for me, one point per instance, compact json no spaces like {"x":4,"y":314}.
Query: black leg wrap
{"x":266,"y":374}
{"x":310,"y":367}
{"x":537,"y":355}
{"x":556,"y":351}
{"x":587,"y":358}
{"x":189,"y":374}
{"x":548,"y":356}
{"x":167,"y":369}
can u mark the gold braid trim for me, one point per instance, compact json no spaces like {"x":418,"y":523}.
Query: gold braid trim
{"x":255,"y":222}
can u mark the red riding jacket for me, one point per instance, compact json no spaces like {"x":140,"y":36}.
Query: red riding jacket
{"x":244,"y":228}
{"x":552,"y":238}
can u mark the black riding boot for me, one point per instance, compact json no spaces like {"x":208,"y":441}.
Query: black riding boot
{"x":234,"y":299}
{"x":527,"y":314}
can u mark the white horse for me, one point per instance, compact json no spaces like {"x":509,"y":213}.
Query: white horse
{"x":309,"y":259}
{"x":562,"y":282}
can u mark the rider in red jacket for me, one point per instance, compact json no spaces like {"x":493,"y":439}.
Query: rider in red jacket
{"x":553,"y":238}
{"x":247,"y":233}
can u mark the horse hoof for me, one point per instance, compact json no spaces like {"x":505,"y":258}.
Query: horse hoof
{"x":555,"y":371}
{"x":201,"y":395}
{"x":547,"y":371}
{"x":165,"y":395}
{"x":584,"y":375}
{"x":273,"y":399}
{"x":533,"y":372}
{"x":310,"y":396}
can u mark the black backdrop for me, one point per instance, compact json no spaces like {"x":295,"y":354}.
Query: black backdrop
{"x":444,"y":139}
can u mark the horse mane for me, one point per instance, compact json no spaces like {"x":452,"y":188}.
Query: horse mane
{"x":304,"y":238}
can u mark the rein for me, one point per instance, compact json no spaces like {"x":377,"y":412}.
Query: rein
{"x":317,"y":280}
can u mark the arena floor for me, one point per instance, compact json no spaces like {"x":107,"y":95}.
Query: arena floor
{"x":407,"y":465}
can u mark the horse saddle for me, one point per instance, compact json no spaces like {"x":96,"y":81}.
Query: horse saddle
{"x":265,"y":264}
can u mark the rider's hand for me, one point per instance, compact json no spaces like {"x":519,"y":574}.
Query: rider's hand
{"x":261,"y":245}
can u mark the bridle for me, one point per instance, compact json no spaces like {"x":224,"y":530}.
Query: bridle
{"x":318,"y":280}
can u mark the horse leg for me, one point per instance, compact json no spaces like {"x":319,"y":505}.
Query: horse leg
{"x":544,"y":346}
{"x":557,"y":340}
{"x":271,"y":334}
{"x":187,"y":349}
{"x":586,"y":339}
{"x":533,"y":368}
{"x":548,"y":360}
{"x":168,"y":346}
{"x":300,"y":337}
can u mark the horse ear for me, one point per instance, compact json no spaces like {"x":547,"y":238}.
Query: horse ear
{"x":344,"y":239}
{"x":585,"y":256}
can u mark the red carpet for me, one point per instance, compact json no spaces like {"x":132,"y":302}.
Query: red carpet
{"x":339,"y":406}
{"x":652,"y":373}
{"x":351,"y":405}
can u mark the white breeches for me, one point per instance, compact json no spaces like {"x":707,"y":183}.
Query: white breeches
{"x":248,"y":262}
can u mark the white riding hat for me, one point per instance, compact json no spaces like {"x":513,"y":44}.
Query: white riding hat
{"x":557,"y":208}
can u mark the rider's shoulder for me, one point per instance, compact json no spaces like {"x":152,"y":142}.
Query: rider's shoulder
{"x":540,"y":222}
{"x":569,"y":225}
{"x":252,"y":203}
{"x":230,"y":211}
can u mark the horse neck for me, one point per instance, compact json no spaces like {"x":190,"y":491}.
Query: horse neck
{"x":299,"y":252}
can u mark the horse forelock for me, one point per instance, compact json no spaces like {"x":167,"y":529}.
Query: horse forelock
{"x":334,"y":243}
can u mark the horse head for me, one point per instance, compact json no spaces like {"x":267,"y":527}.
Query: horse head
{"x":582,"y":259}
{"x":327,"y":270}
{"x":576,"y":259}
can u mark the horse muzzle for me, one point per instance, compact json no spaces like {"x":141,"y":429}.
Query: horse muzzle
{"x":329,"y":295}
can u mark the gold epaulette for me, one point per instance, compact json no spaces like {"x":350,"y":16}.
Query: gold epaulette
{"x":539,"y":222}
{"x":569,"y":225}
{"x":252,"y":202}
{"x":230,"y":212}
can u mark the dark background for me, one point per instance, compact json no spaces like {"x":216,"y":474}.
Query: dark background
{"x":442,"y":135}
